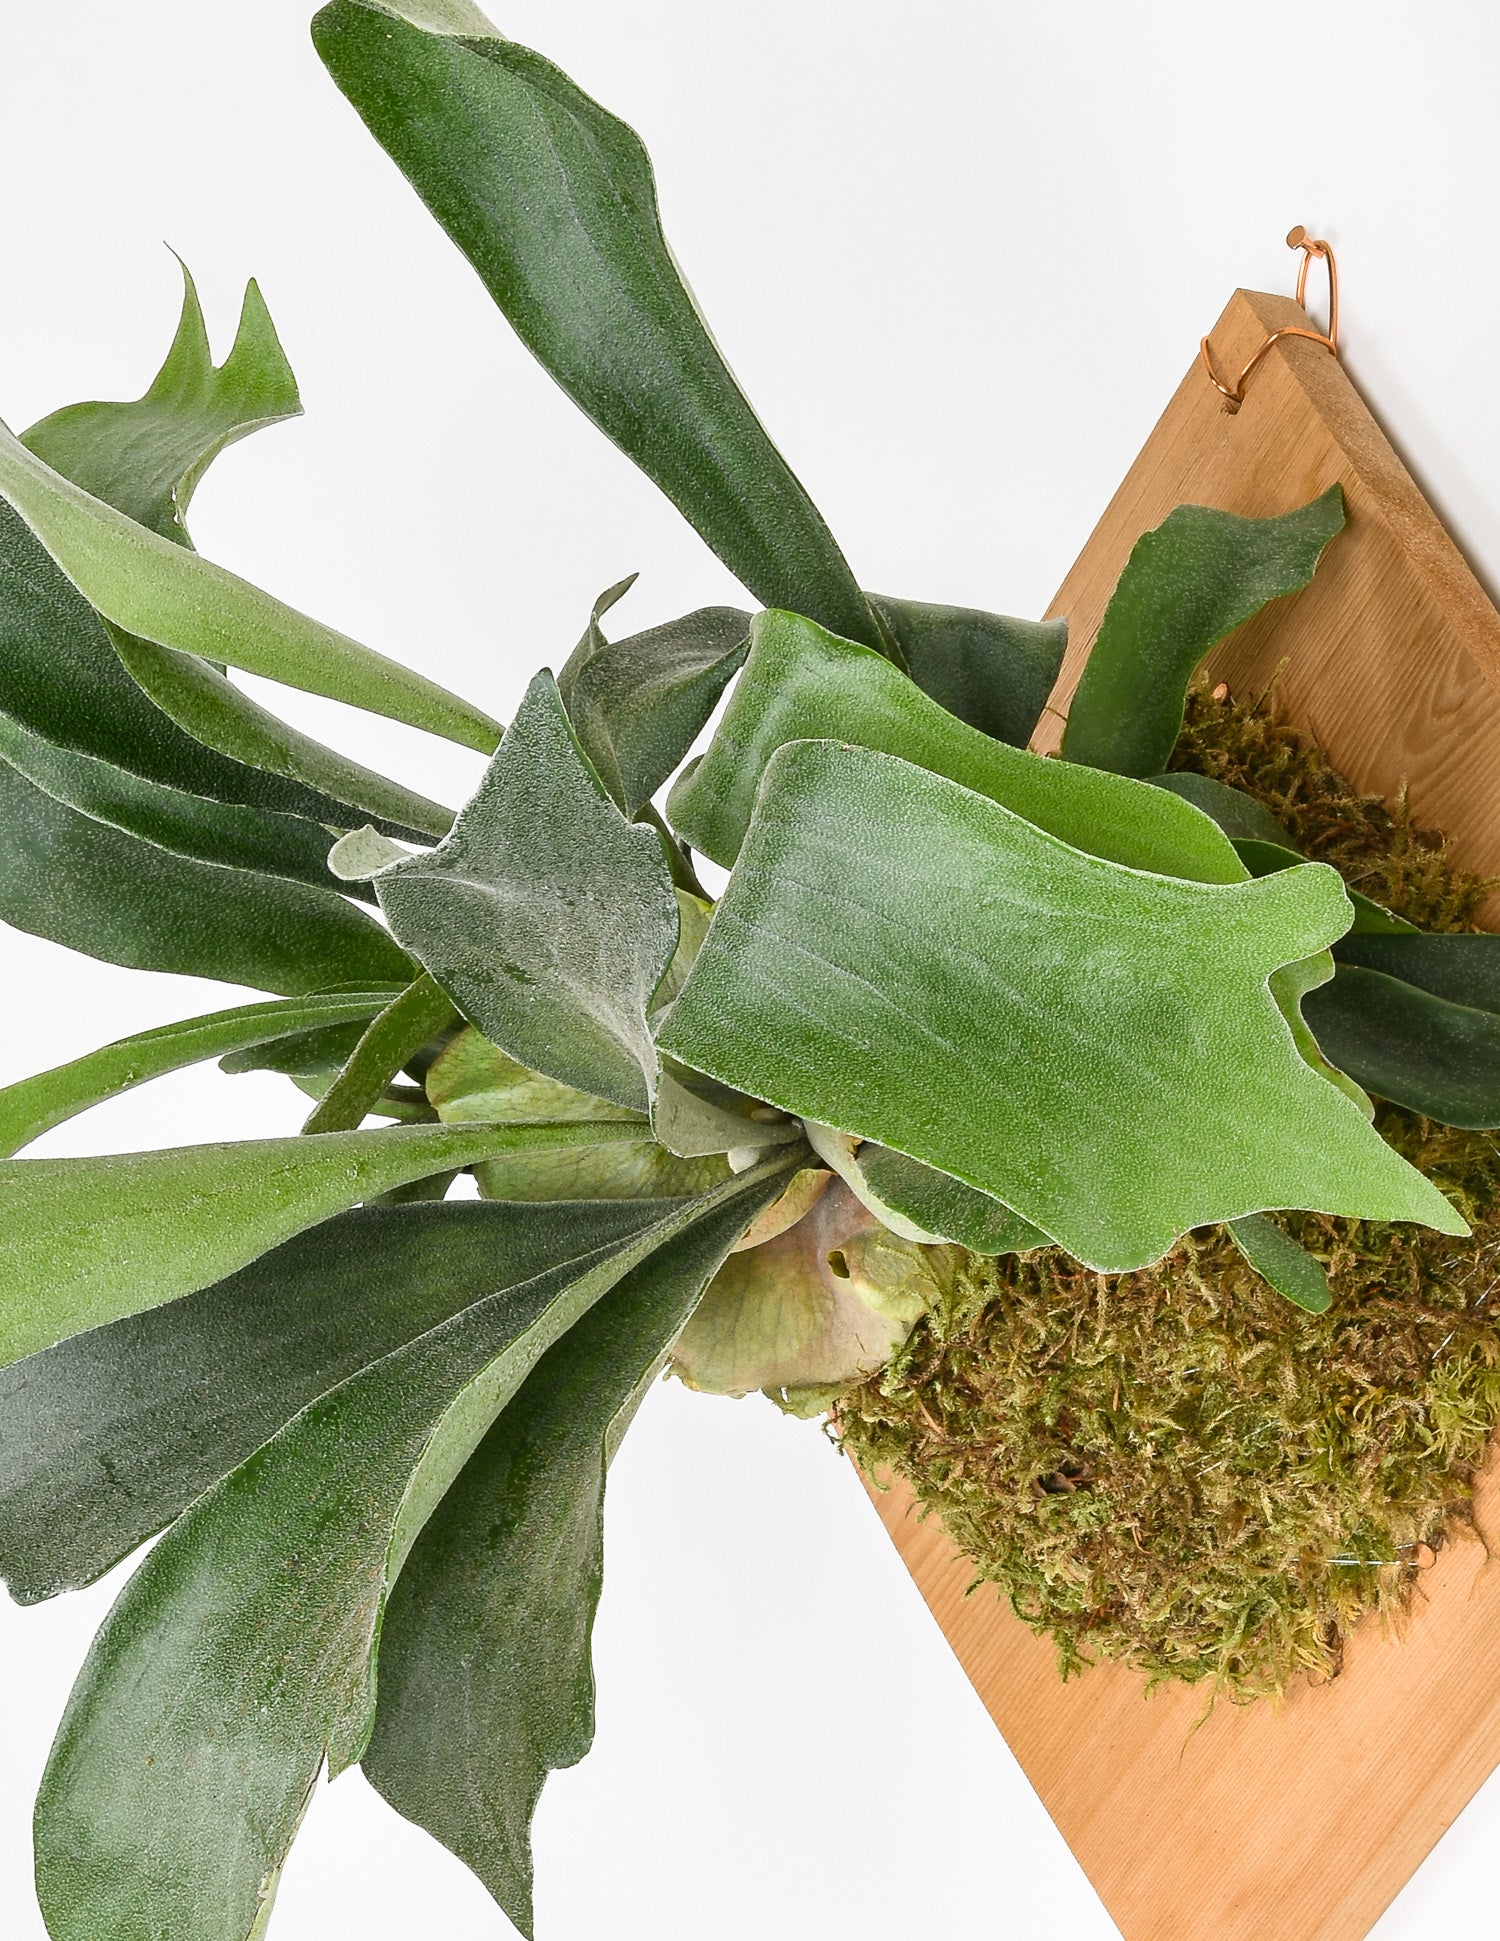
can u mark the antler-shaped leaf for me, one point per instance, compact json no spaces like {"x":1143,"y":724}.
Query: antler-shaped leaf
{"x":145,"y":458}
{"x":802,"y":683}
{"x":146,"y":585}
{"x":1197,"y":577}
{"x":1097,"y":1047}
{"x":547,"y":917}
{"x":241,"y":1656}
{"x":554,"y":203}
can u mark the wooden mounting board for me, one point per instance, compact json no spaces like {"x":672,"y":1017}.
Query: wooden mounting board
{"x":1297,"y":1824}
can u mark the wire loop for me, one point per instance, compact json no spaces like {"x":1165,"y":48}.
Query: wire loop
{"x":1310,"y":246}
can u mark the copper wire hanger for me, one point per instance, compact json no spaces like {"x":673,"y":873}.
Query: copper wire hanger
{"x":1310,"y":246}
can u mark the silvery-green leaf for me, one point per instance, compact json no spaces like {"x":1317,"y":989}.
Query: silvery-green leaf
{"x":363,"y":853}
{"x":801,"y":683}
{"x":1188,"y":584}
{"x":693,"y":1117}
{"x":554,"y":203}
{"x":144,"y":459}
{"x":546,"y":916}
{"x":911,"y":963}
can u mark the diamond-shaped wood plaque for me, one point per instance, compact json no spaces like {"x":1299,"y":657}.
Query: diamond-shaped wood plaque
{"x":1299,"y":1823}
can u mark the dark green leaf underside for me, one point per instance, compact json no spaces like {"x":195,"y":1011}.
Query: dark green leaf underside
{"x":241,"y":1656}
{"x":485,"y":1679}
{"x":637,"y":704}
{"x":1463,"y":968}
{"x":62,"y":680}
{"x":1405,"y":1045}
{"x":107,"y":1437}
{"x":991,"y":671}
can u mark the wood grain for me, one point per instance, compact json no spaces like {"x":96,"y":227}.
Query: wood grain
{"x":1299,"y":1823}
{"x":1391,"y":658}
{"x":1253,"y":1823}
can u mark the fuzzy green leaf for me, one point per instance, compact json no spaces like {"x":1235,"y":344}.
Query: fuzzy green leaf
{"x":241,"y":1656}
{"x":146,"y":458}
{"x":87,"y":1241}
{"x":989,"y":670}
{"x":100,"y":890}
{"x":147,"y":586}
{"x":485,"y":1677}
{"x":471,"y":1079}
{"x":33,"y":1106}
{"x":62,"y":680}
{"x":1240,"y":816}
{"x":109,"y":1436}
{"x":1186,"y":585}
{"x":1372,"y":919}
{"x":945,"y":1207}
{"x":210,"y":708}
{"x":546,"y":916}
{"x":637,"y":704}
{"x":914,"y":964}
{"x":300,"y":1054}
{"x":411,"y":1020}
{"x":553,"y":201}
{"x":801,"y":683}
{"x":1277,"y":1258}
{"x":1407,"y":1045}
{"x":188,"y":825}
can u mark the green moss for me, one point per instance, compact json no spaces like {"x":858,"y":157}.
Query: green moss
{"x":1176,"y":1467}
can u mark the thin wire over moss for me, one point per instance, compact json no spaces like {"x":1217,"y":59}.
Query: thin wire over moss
{"x":1176,"y":1467}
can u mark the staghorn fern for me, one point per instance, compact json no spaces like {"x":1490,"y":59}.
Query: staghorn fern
{"x":954,"y":996}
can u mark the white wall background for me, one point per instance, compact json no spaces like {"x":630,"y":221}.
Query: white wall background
{"x":959,"y":258}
